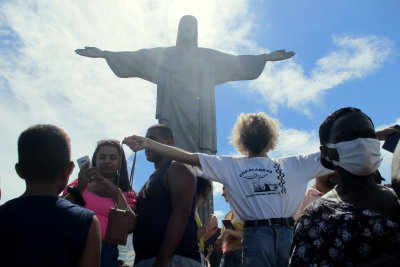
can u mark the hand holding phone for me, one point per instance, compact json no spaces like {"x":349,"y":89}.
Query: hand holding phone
{"x":86,"y":173}
{"x":82,"y":161}
{"x":228,"y":224}
{"x":392,"y":140}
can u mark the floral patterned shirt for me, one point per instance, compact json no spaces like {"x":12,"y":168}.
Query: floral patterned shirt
{"x":333,"y":233}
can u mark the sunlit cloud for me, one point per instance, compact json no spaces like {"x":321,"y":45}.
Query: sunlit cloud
{"x":287,"y":84}
{"x":42,"y":80}
{"x":217,"y":188}
{"x":219,"y":214}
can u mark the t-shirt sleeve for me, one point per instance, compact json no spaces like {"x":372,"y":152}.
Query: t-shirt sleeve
{"x":215,"y":168}
{"x":307,"y":166}
{"x":74,"y":183}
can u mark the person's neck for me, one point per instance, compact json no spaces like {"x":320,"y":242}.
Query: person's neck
{"x":160,"y":163}
{"x":321,"y":187}
{"x":39,"y":188}
{"x":112,"y":178}
{"x":259,"y":155}
{"x":186,"y":43}
{"x":349,"y":183}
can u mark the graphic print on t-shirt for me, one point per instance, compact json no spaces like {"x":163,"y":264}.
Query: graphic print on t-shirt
{"x":264,"y":181}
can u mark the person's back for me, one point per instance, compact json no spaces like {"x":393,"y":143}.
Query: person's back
{"x":38,"y":228}
{"x":42,"y":231}
{"x":165,"y":233}
{"x":154,"y":207}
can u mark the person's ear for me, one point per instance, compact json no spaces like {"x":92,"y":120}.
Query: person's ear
{"x":68,"y":169}
{"x":324,"y":155}
{"x":18,"y":169}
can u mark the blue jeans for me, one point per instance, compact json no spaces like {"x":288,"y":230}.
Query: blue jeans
{"x":267,"y":245}
{"x":109,"y":254}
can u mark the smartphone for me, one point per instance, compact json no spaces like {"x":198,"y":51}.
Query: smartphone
{"x":82,"y":161}
{"x":392,"y":140}
{"x":228,"y":224}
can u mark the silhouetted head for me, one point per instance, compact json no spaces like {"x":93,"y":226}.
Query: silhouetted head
{"x":203,"y":188}
{"x":348,"y":141}
{"x":187,"y":31}
{"x":225,"y":194}
{"x":162,"y":134}
{"x":44,"y":154}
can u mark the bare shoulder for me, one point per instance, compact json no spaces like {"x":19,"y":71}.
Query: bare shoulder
{"x":178,"y":170}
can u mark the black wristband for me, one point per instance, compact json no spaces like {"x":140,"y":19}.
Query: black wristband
{"x":77,"y":195}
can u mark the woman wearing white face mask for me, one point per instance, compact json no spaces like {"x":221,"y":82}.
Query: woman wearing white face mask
{"x":358,"y":222}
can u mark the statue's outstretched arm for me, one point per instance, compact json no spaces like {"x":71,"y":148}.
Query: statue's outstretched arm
{"x":278,"y":55}
{"x":89,"y":51}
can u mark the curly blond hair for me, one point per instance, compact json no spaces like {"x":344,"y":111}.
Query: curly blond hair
{"x":254,"y":132}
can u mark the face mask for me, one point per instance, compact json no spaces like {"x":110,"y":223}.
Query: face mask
{"x":361,"y":156}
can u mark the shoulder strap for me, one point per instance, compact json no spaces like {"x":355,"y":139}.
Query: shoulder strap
{"x":119,"y":174}
{"x":132,"y":171}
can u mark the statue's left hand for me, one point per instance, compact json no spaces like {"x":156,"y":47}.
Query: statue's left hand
{"x":278,"y":55}
{"x":88,"y":51}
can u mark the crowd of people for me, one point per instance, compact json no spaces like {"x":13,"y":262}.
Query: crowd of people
{"x":346,"y":218}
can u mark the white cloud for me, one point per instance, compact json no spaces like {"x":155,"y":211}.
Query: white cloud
{"x":294,"y":142}
{"x":286,"y":84}
{"x":219,"y":214}
{"x":217,"y":188}
{"x":42,"y":80}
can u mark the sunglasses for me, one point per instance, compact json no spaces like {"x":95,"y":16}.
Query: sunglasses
{"x":108,"y":141}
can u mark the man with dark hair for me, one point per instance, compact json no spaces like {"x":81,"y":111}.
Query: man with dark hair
{"x":48,"y":230}
{"x":166,"y":233}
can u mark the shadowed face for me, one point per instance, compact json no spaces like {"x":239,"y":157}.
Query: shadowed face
{"x":224,"y":194}
{"x":154,"y":134}
{"x":107,"y":161}
{"x":349,"y":127}
{"x":187,"y":31}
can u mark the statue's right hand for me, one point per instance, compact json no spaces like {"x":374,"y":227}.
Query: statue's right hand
{"x":89,"y":51}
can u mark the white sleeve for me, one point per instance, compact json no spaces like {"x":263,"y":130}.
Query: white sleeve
{"x":215,"y":168}
{"x":307,"y":166}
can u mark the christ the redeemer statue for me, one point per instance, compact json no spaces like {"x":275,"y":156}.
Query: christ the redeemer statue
{"x":185,"y":75}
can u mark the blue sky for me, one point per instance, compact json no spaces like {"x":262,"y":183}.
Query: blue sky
{"x":347,"y":54}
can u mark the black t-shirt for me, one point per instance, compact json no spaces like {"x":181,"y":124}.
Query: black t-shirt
{"x":154,"y":209}
{"x":42,"y":231}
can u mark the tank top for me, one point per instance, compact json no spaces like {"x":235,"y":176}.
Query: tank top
{"x":42,"y":231}
{"x":154,"y":209}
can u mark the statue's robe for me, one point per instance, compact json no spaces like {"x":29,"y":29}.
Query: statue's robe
{"x":185,"y":78}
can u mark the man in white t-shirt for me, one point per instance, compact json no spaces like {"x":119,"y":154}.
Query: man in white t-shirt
{"x":266,"y":191}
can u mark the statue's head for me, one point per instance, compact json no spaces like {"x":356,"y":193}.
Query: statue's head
{"x":187,"y":31}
